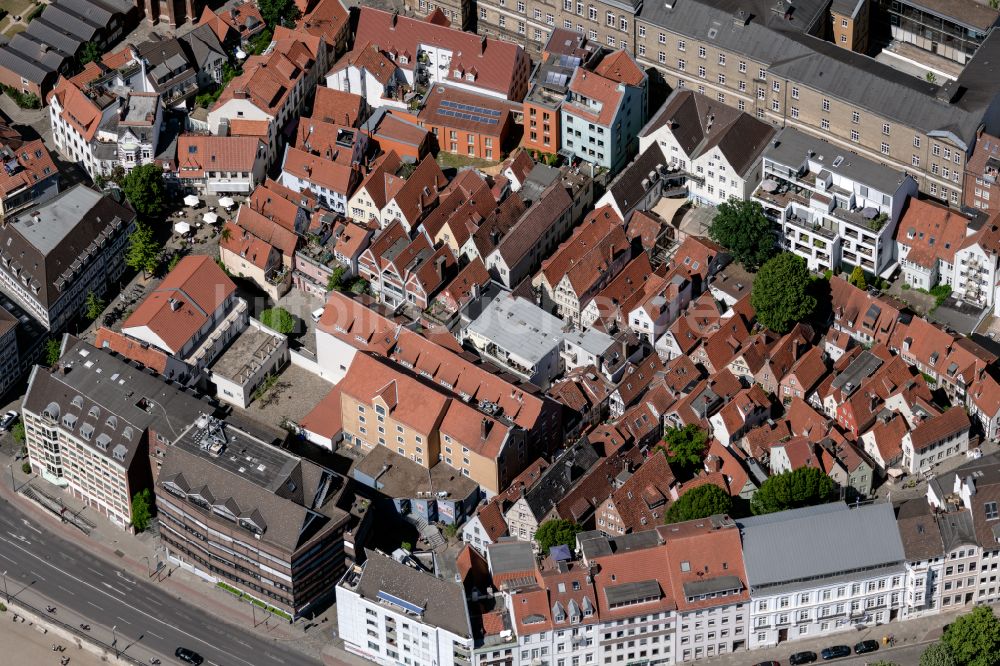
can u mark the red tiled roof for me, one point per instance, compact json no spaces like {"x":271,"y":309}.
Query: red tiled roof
{"x":586,"y":238}
{"x":422,"y":408}
{"x":36,"y":165}
{"x":186,"y":300}
{"x":931,"y":231}
{"x":335,"y":106}
{"x":267,"y":230}
{"x":219,"y":26}
{"x":77,"y":109}
{"x":381,"y":182}
{"x":641,"y":502}
{"x":619,"y":66}
{"x":394,"y":129}
{"x":368,"y":58}
{"x":197,"y":154}
{"x":277,"y":203}
{"x":246,"y":245}
{"x":460,"y":288}
{"x":708,"y":552}
{"x":617,"y":299}
{"x":328,"y":19}
{"x":244,"y":127}
{"x":325,"y":418}
{"x":497,"y":65}
{"x":595,"y":87}
{"x":150,"y":357}
{"x":888,"y":436}
{"x":933,"y":430}
{"x":319,"y":169}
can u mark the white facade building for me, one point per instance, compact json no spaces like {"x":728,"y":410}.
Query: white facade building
{"x":832,"y":206}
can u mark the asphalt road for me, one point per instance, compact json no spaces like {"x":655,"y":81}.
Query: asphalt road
{"x":76,"y":582}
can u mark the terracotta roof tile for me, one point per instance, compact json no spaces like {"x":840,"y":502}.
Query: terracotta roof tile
{"x":150,"y":357}
{"x":335,"y":106}
{"x":619,"y":66}
{"x":933,"y":430}
{"x":197,"y":154}
{"x":931,"y":231}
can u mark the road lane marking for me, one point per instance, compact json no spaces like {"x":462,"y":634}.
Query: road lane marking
{"x":113,"y":589}
{"x":95,"y":605}
{"x":64,"y":589}
{"x":7,"y":558}
{"x":37,"y":575}
{"x":30,"y":526}
{"x":124,"y":620}
{"x":153,"y":633}
{"x":154,"y":601}
{"x":271,"y":656}
{"x":96,"y":572}
{"x":124,"y":603}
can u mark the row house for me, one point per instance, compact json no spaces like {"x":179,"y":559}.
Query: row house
{"x":394,"y":191}
{"x":325,"y":161}
{"x":260,"y":249}
{"x":403,"y":271}
{"x":218,"y":165}
{"x":641,"y":501}
{"x":833,"y":208}
{"x":982,"y":191}
{"x":467,"y":123}
{"x":929,"y":236}
{"x":716,"y":147}
{"x":661,"y":301}
{"x":30,"y":176}
{"x":746,"y":410}
{"x":372,"y":74}
{"x":592,"y":256}
{"x":935,"y":440}
{"x":271,"y":89}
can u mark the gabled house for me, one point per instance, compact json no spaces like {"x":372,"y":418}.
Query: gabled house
{"x":641,"y":501}
{"x":745,"y":411}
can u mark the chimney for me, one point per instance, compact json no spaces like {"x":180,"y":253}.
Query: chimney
{"x":795,"y":349}
{"x":439,"y":267}
{"x":395,"y":17}
{"x":484,"y":427}
{"x":484,"y":44}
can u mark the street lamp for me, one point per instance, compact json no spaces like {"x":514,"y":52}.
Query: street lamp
{"x":114,"y":640}
{"x":5,"y":592}
{"x":148,"y":566}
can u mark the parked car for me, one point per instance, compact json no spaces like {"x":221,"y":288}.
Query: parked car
{"x":8,"y":420}
{"x":802,"y":658}
{"x":835,"y":652}
{"x":865,"y":646}
{"x":189,"y":656}
{"x":769,"y":663}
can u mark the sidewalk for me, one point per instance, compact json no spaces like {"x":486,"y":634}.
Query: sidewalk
{"x":139,"y":556}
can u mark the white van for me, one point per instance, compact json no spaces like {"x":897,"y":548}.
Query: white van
{"x":317,"y":313}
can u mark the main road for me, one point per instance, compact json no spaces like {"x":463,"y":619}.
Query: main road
{"x":78,"y":584}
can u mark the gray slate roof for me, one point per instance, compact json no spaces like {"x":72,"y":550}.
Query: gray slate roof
{"x":103,"y":386}
{"x":443,"y":601}
{"x":790,"y":549}
{"x":560,"y":477}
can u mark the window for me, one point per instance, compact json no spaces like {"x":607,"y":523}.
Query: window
{"x":855,"y":136}
{"x":760,"y":93}
{"x":826,"y":105}
{"x":611,"y":41}
{"x":795,"y":112}
{"x":701,"y":72}
{"x":520,"y":6}
{"x":776,"y":86}
{"x":915,"y":160}
{"x":610,"y":19}
{"x":722,"y":79}
{"x":762,"y":74}
{"x":843,"y":23}
{"x":743,"y":67}
{"x":855,"y":117}
{"x":623,"y":24}
{"x":916,"y":142}
{"x":885,"y":129}
{"x":795,"y":92}
{"x":824,"y":123}
{"x":642,"y":31}
{"x":642,"y":49}
{"x":681,"y":44}
{"x":681,"y":65}
{"x":775,"y":106}
{"x":885,"y":148}
{"x":722,"y":59}
{"x":701,"y":52}
{"x":991,"y":511}
{"x":742,"y":85}
{"x":662,"y":57}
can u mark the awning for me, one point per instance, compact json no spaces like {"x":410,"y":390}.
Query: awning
{"x":869,"y":213}
{"x":769,"y":185}
{"x":226,"y":202}
{"x":210,"y":218}
{"x":182,"y":227}
{"x":894,"y":472}
{"x":191,"y":200}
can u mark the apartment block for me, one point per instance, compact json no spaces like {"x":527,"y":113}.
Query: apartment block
{"x":388,"y":612}
{"x":954,"y":30}
{"x":982,"y":191}
{"x":833,"y":207}
{"x":851,"y":24}
{"x":90,"y":421}
{"x":272,"y":529}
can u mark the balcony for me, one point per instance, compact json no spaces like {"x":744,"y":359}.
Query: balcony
{"x":276,"y":276}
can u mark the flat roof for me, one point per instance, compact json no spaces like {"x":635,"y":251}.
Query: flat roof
{"x":793,"y":148}
{"x":396,"y":476}
{"x":247,"y":353}
{"x":519,"y":327}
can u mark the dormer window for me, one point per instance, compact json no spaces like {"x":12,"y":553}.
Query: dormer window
{"x":470,"y":77}
{"x":457,"y":73}
{"x":991,"y":511}
{"x":403,"y":60}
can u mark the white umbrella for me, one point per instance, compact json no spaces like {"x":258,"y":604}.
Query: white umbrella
{"x":210,"y":218}
{"x":191,"y":200}
{"x":226,"y":202}
{"x":182,"y":227}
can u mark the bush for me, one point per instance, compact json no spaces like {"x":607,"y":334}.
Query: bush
{"x":26,"y":467}
{"x":556,"y":532}
{"x":35,"y":14}
{"x":278,"y":319}
{"x":23,"y":99}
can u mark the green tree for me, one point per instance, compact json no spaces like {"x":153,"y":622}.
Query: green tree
{"x":974,"y":638}
{"x":91,"y":52}
{"x":94,"y":306}
{"x":804,"y":486}
{"x":143,"y":252}
{"x":858,"y":278}
{"x":406,"y":545}
{"x":144,"y":189}
{"x":743,"y":229}
{"x":336,"y":280}
{"x":278,"y":12}
{"x":555,"y":532}
{"x":174,"y":260}
{"x":17,"y":432}
{"x":26,"y":467}
{"x":780,"y":293}
{"x":142,"y":510}
{"x":278,"y":319}
{"x":931,"y":76}
{"x":53,"y":350}
{"x":685,"y":447}
{"x":699,"y":502}
{"x":937,"y":654}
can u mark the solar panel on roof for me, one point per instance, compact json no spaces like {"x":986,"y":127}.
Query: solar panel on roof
{"x":402,"y":603}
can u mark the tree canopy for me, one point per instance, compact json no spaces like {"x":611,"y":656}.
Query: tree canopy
{"x":857,"y":278}
{"x":743,"y":229}
{"x":555,"y":532}
{"x":780,"y":294}
{"x":804,"y":486}
{"x":278,"y":319}
{"x":685,"y":447}
{"x":974,"y":638}
{"x":94,"y":305}
{"x":937,"y":654}
{"x":91,"y":52}
{"x":144,"y":189}
{"x":143,"y":252}
{"x":53,"y":350}
{"x":278,"y":12}
{"x":336,"y":281}
{"x":142,"y":510}
{"x":699,"y":502}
